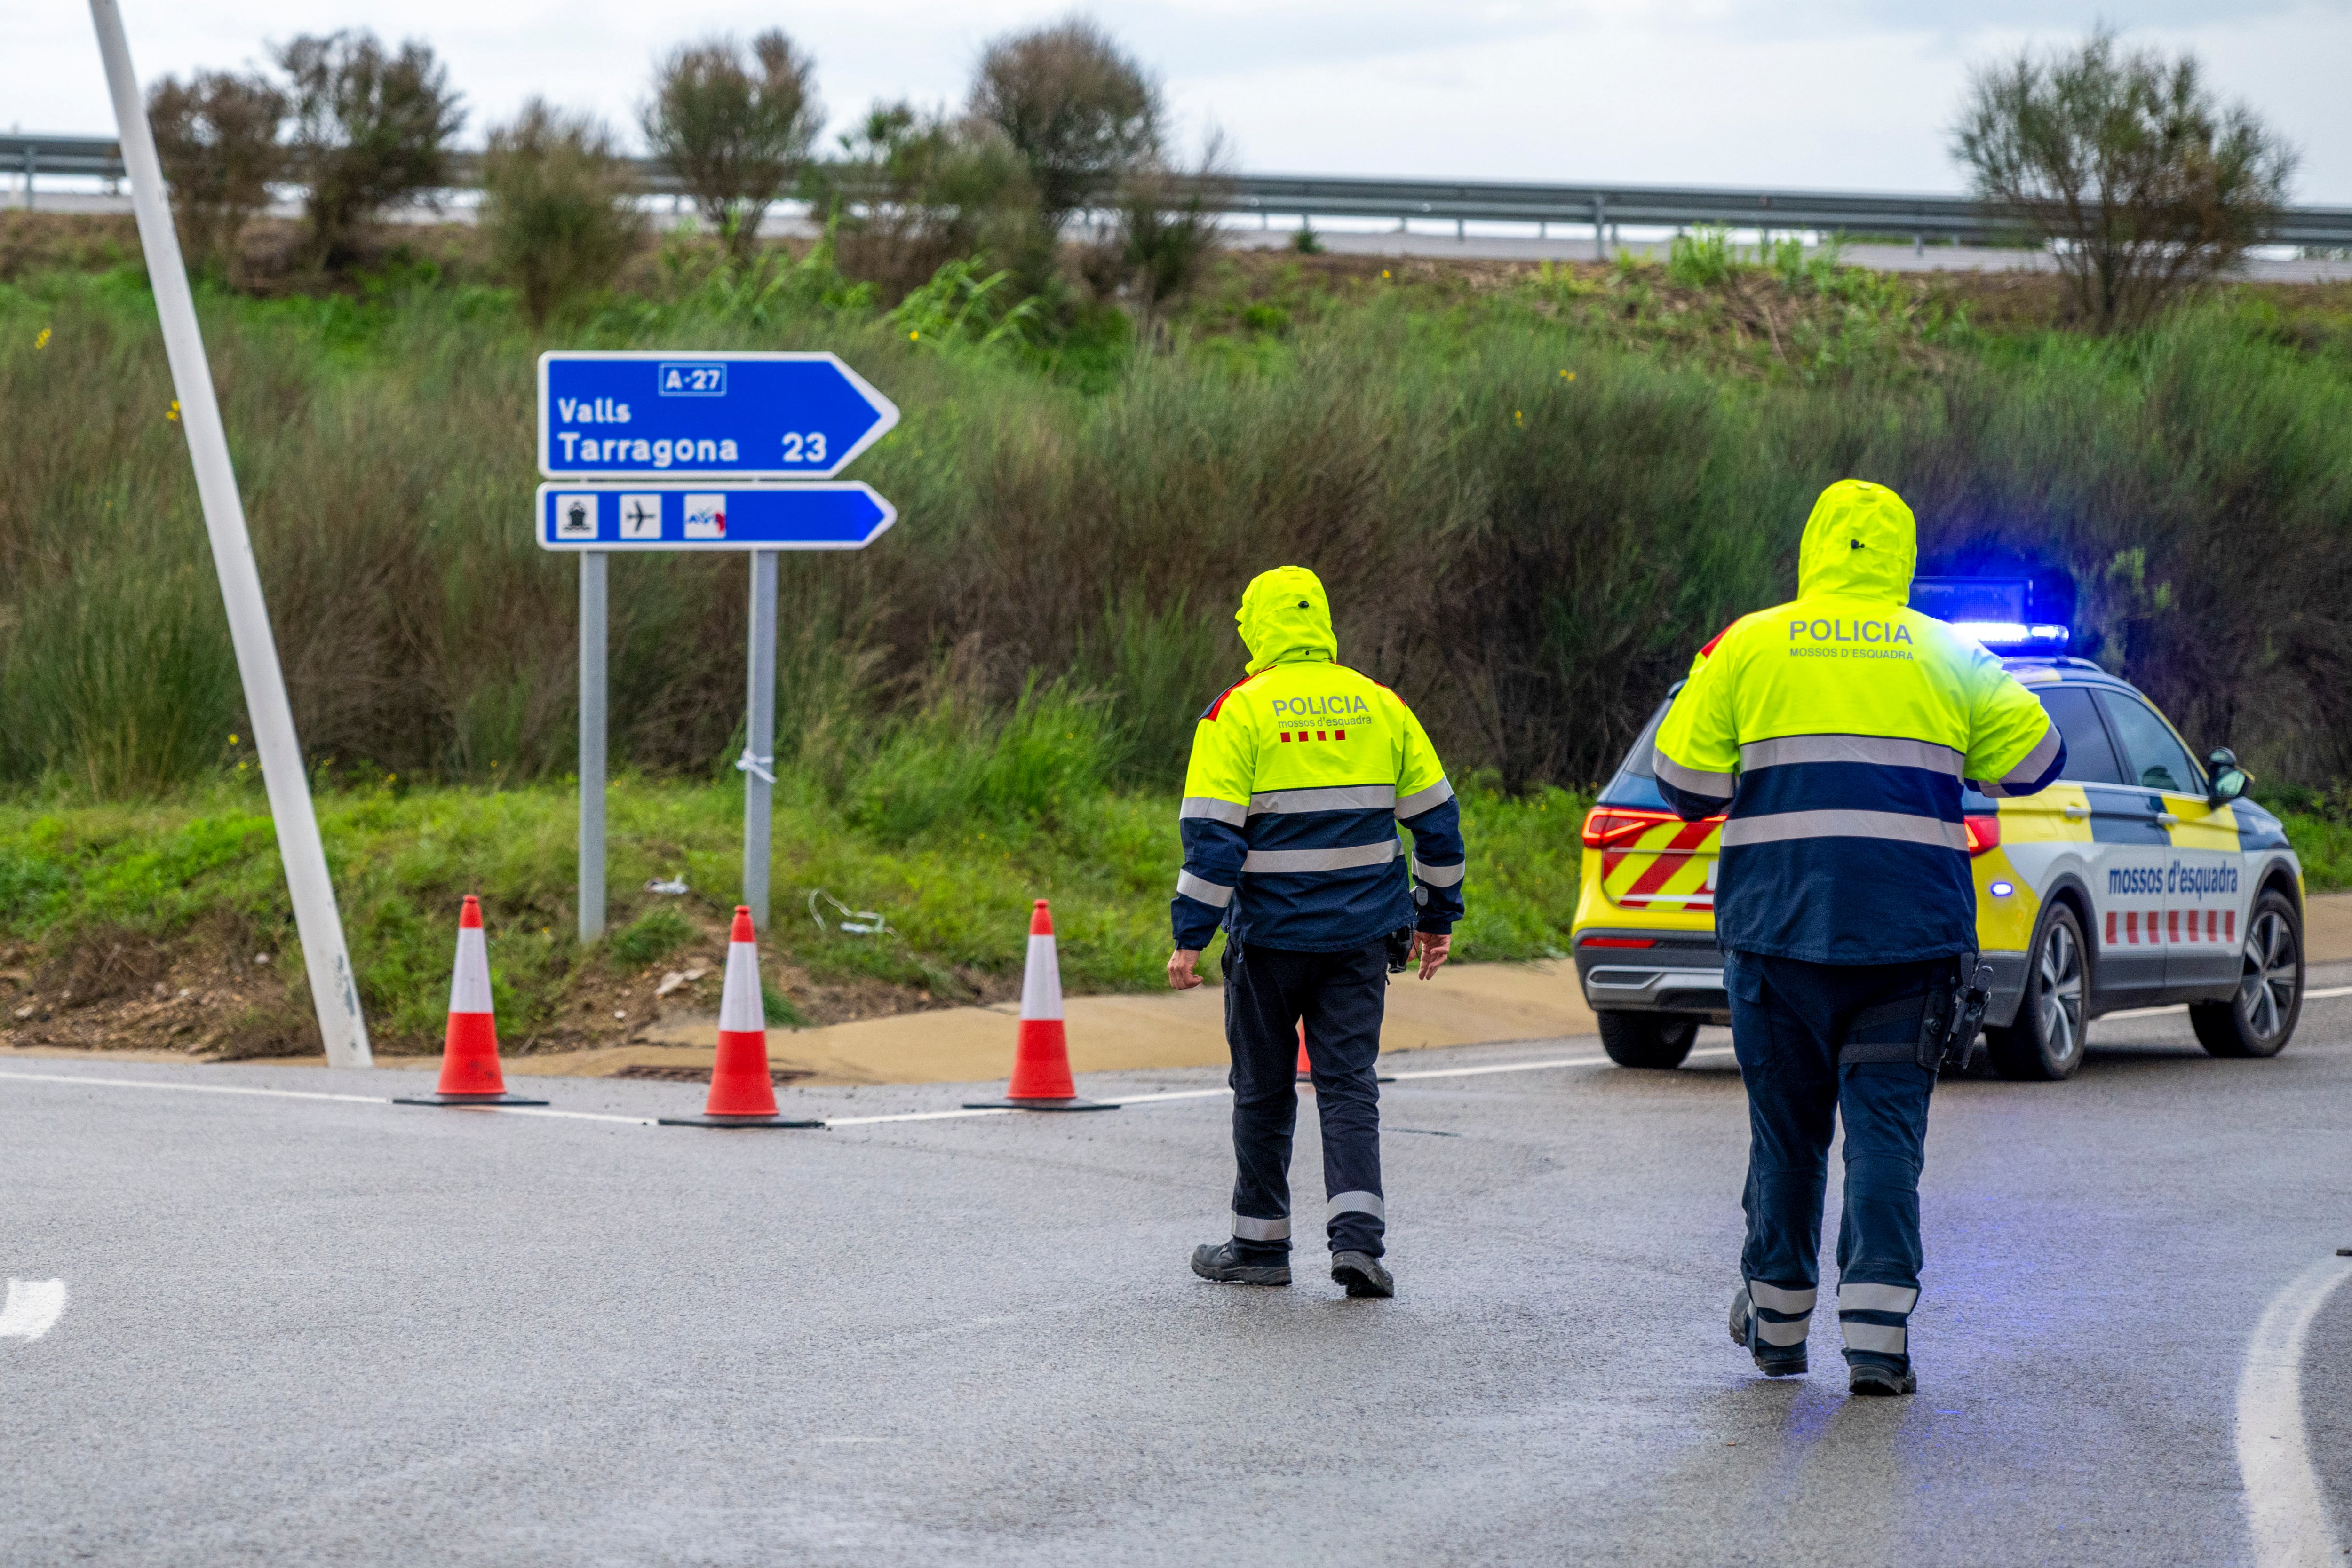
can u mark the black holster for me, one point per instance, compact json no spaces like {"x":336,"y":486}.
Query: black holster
{"x":1930,"y":1029}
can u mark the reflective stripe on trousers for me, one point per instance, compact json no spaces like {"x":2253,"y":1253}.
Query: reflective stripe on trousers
{"x":1783,"y":1315}
{"x":1876,"y":1318}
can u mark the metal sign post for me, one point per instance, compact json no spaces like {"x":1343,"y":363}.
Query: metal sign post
{"x":593,"y":640}
{"x":758,"y":762}
{"x":654,"y":449}
{"x":334,"y":992}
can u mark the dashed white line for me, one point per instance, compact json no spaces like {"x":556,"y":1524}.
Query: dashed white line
{"x":33,"y":1309}
{"x":2285,"y":1508}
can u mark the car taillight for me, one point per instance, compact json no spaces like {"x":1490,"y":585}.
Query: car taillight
{"x":1604,"y":825}
{"x":1984,"y":833}
{"x":1619,"y":942}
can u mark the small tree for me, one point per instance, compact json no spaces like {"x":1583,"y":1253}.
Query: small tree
{"x":216,"y":135}
{"x":2144,"y":181}
{"x":1080,"y":111}
{"x":557,"y":207}
{"x":929,"y":189}
{"x":736,"y":133}
{"x":370,"y":128}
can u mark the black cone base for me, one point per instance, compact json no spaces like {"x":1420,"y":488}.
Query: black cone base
{"x":1376,"y":1078}
{"x":732,"y":1121}
{"x":1041,"y":1104}
{"x":465,"y":1100}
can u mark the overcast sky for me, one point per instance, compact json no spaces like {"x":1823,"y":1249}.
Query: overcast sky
{"x":1846,"y":93}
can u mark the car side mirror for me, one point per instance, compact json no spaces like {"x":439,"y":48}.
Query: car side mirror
{"x":2230,"y":780}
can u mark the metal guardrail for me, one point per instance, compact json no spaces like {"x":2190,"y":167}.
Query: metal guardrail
{"x":1459,"y":202}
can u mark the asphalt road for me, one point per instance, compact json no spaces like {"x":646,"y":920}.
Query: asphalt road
{"x":329,"y":1331}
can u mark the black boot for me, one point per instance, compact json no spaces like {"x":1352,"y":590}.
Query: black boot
{"x":1226,"y":1265}
{"x":1362,"y":1274}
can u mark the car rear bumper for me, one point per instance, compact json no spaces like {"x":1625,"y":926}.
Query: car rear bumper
{"x":1667,"y":973}
{"x":1678,"y":975}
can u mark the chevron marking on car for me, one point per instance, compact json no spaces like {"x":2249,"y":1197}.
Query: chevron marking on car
{"x":1672,"y":856}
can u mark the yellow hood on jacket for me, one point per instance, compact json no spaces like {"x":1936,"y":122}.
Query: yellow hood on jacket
{"x":1859,"y":543}
{"x":1284,"y":617}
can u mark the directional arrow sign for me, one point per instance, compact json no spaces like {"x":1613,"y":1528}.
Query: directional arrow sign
{"x":654,"y":414}
{"x":701,"y":517}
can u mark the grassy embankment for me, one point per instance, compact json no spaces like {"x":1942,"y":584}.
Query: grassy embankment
{"x":1532,"y":492}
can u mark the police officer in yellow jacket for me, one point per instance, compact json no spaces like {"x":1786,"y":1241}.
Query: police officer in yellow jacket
{"x":1838,"y":730}
{"x":1298,"y":777}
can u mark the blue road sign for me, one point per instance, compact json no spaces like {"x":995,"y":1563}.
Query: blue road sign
{"x":841,"y":516}
{"x":661,"y":414}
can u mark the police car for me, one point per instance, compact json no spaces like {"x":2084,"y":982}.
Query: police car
{"x":2140,"y":878}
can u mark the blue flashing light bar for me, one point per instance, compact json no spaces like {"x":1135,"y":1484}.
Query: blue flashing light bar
{"x":1992,"y":609}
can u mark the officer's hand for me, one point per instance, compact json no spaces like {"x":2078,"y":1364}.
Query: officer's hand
{"x":1179,"y":968}
{"x":1432,"y":947}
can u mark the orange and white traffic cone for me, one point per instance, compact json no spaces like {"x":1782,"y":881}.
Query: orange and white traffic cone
{"x":1306,"y":1068}
{"x":470,"y":1052}
{"x":742,"y":1094}
{"x":1041,"y":1052}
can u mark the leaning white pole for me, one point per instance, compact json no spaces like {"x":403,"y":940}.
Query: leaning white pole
{"x":333,"y":989}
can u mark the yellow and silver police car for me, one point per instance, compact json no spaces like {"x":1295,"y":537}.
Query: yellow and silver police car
{"x":2141,"y":879}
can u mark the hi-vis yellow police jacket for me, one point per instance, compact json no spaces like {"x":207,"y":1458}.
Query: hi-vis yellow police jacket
{"x":1839,"y":728}
{"x":1298,"y":777}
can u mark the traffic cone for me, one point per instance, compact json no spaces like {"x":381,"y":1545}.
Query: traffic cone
{"x":470,"y":1052}
{"x":742,"y":1092}
{"x":1306,"y":1068}
{"x":1041,"y":1052}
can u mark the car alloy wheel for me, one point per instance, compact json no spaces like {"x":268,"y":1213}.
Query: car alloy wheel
{"x":2061,"y":993}
{"x":2060,"y":1012}
{"x":2046,"y":1040}
{"x":2259,"y":1017}
{"x":2271,"y":978}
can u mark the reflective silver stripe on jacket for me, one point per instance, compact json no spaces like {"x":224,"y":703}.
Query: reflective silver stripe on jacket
{"x":1208,"y":893}
{"x":1248,"y":1229}
{"x":1715,"y":786}
{"x":1356,"y":1203}
{"x":1775,"y":1298}
{"x":1216,"y":810}
{"x":2037,"y":762}
{"x":1897,"y":826}
{"x":1421,"y":800}
{"x":1882,"y":1338}
{"x":1338,"y":798}
{"x":1278,"y":862}
{"x":1876,"y":1298}
{"x":1438,"y":875}
{"x":1883,"y":751}
{"x":1771,"y":1333}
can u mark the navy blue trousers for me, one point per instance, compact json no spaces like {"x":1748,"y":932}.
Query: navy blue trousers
{"x":1340,"y":997}
{"x":1789,"y":1020}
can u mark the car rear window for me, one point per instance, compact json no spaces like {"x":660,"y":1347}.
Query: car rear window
{"x":1634,"y":784}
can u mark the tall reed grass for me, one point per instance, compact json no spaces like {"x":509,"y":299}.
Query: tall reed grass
{"x":1525,"y":529}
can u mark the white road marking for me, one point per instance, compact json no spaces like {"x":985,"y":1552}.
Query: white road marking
{"x":194,"y":1088}
{"x":33,"y":1309}
{"x":2284,"y":1505}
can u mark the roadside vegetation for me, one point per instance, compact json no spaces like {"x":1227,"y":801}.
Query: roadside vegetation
{"x":1532,"y":491}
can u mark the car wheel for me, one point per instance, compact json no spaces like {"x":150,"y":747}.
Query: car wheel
{"x":2046,"y":1040}
{"x":2260,"y":1018}
{"x":1647,"y":1039}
